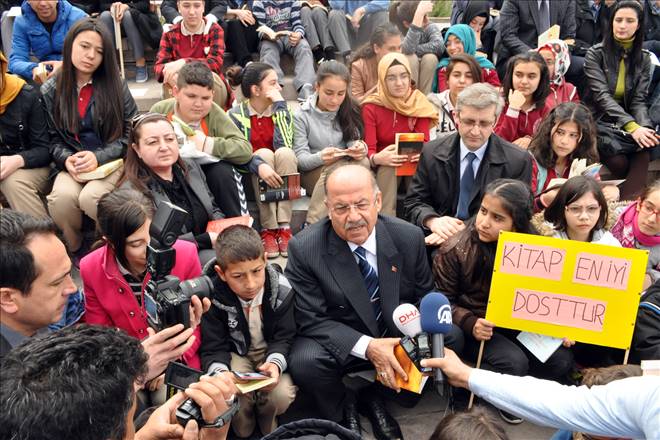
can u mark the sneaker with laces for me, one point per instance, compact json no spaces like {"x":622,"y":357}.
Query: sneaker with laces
{"x":141,"y":74}
{"x":283,"y":238}
{"x":269,"y":240}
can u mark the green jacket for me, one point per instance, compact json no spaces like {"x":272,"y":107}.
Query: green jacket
{"x":228,"y":141}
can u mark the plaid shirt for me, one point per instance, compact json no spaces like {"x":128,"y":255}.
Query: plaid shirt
{"x":214,"y":48}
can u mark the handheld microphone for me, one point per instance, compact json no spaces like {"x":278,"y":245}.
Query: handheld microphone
{"x":415,"y":343}
{"x":406,"y":317}
{"x":436,"y":320}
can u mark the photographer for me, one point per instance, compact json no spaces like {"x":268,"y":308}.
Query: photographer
{"x":114,"y":294}
{"x":79,"y":383}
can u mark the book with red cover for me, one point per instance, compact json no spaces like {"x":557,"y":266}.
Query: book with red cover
{"x":221,"y":224}
{"x":409,"y":144}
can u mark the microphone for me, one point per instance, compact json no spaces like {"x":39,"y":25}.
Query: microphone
{"x":406,"y":317}
{"x":415,"y":343}
{"x":436,"y":320}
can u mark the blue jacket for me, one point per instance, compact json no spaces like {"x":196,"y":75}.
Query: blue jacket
{"x":32,"y":39}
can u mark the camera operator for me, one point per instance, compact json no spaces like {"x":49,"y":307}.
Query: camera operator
{"x":35,"y":277}
{"x":626,"y":408}
{"x":114,"y":275}
{"x":80,"y":382}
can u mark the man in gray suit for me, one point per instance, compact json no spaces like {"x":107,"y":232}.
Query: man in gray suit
{"x":349,"y":273}
{"x":522,"y":21}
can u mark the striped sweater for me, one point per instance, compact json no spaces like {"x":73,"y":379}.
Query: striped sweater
{"x":279,"y":15}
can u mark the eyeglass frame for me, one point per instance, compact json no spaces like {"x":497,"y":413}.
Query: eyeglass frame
{"x":350,"y":206}
{"x":572,"y":210}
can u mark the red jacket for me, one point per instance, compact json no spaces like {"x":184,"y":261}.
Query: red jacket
{"x":514,"y":124}
{"x":110,"y":302}
{"x":566,"y":92}
{"x":169,"y":50}
{"x":487,"y":75}
{"x":382,"y":124}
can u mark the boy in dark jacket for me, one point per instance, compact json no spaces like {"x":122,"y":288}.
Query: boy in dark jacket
{"x":250,"y":327}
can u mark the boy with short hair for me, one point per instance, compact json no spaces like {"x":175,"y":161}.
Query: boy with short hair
{"x":250,"y":327}
{"x":284,"y":15}
{"x":195,"y":37}
{"x":215,"y":134}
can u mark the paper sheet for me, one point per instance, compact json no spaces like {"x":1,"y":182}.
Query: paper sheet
{"x":541,"y":346}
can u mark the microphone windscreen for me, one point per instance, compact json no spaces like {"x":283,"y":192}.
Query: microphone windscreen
{"x":406,"y":318}
{"x":436,"y":313}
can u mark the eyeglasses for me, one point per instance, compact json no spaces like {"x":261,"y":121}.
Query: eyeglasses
{"x":576,"y":211}
{"x":648,"y":209}
{"x":471,"y":123}
{"x":362,"y":206}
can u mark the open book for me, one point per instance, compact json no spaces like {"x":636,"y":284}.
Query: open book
{"x":221,"y":224}
{"x":579,"y":168}
{"x":551,"y":34}
{"x":103,"y":171}
{"x":409,"y":144}
{"x":267,"y":32}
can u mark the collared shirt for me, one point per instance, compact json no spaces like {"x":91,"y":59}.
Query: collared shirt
{"x":15,"y":338}
{"x":187,"y":33}
{"x":480,"y":152}
{"x":370,"y":247}
{"x":360,"y":347}
{"x":266,"y":113}
{"x":133,"y":282}
{"x":595,"y":8}
{"x":254,"y":317}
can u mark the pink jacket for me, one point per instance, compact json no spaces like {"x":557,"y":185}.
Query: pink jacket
{"x":109,"y":300}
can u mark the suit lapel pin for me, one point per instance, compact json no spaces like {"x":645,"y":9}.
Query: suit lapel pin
{"x":394,"y":269}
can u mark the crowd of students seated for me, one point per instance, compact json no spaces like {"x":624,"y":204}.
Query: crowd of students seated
{"x":499,"y":116}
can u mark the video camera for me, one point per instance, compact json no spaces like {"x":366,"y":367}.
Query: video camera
{"x":166,"y":298}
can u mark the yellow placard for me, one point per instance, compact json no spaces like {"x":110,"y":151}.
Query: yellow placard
{"x":563,"y":288}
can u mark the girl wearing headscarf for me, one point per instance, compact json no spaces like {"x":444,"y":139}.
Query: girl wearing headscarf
{"x":23,"y":144}
{"x":408,"y":110}
{"x":557,"y":57}
{"x":477,"y":15}
{"x":460,"y":38}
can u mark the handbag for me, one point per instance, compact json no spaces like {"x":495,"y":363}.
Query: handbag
{"x":613,"y":141}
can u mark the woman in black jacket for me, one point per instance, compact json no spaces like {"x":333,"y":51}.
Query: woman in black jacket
{"x":618,"y":73}
{"x":23,"y":144}
{"x":89,"y":110}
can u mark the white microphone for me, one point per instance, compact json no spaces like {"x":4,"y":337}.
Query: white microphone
{"x":407,"y":319}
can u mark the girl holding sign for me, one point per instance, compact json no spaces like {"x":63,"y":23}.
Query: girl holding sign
{"x":638,"y":227}
{"x":463,"y":269}
{"x":579,"y":212}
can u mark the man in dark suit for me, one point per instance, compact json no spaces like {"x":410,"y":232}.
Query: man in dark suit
{"x":522,"y":21}
{"x":454,"y":170}
{"x":349,"y":273}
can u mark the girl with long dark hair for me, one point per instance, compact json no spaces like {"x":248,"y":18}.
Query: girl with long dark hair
{"x":328,"y":128}
{"x":618,"y":75}
{"x":266,"y":122}
{"x":526,"y":87}
{"x":89,"y":112}
{"x":364,"y":63}
{"x":566,"y":134}
{"x":463,"y":269}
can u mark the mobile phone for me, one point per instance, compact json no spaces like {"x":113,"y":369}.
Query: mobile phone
{"x":250,"y":376}
{"x":181,"y":376}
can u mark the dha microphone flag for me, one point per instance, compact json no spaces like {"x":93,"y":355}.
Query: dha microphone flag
{"x":406,"y":317}
{"x":436,"y":320}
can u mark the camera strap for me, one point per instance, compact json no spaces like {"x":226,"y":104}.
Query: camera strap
{"x":225,"y":417}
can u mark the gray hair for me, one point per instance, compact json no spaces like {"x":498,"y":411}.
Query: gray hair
{"x":480,"y":96}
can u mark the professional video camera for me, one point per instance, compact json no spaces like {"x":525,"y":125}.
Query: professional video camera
{"x":166,"y":298}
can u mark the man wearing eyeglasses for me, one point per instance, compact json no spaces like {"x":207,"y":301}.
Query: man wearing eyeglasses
{"x":453,"y":171}
{"x":349,"y":272}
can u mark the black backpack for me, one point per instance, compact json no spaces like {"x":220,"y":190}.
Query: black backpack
{"x":646,"y":337}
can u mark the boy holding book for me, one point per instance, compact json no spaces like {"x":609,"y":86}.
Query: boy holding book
{"x":250,"y":327}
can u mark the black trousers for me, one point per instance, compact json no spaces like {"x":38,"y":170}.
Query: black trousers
{"x":319,"y":374}
{"x":241,"y":41}
{"x":225,"y":182}
{"x":504,"y":354}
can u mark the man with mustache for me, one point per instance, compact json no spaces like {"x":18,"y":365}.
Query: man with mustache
{"x":349,"y":272}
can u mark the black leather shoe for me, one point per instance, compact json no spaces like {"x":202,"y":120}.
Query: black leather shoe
{"x":352,"y":419}
{"x":384,"y":425}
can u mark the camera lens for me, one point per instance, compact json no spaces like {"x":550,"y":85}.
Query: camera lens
{"x":200,"y":286}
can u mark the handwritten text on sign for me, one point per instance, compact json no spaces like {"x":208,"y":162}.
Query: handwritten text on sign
{"x":601,"y":271}
{"x":554,"y":308}
{"x":533,"y":260}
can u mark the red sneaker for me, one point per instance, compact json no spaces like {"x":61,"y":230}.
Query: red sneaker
{"x":283,"y":237}
{"x":269,"y":240}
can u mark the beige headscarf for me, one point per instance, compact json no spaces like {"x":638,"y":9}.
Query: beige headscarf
{"x":414,"y":105}
{"x":11,"y":85}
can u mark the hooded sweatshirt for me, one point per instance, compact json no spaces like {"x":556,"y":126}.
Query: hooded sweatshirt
{"x":315,"y":130}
